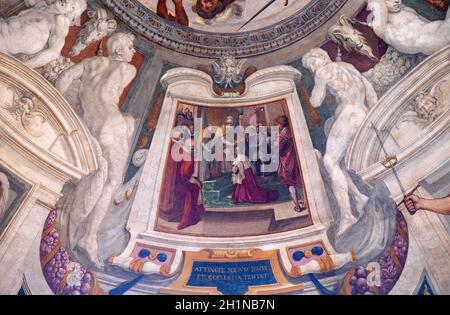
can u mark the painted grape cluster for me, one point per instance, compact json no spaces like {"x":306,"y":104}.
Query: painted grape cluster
{"x":359,"y":282}
{"x":391,"y":264}
{"x":63,"y":275}
{"x":67,"y":277}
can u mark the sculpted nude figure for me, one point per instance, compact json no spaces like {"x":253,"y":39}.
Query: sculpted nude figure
{"x":352,"y":93}
{"x":103,"y":80}
{"x":38,"y":33}
{"x":404,"y":29}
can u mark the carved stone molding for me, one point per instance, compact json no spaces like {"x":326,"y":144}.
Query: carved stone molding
{"x":429,"y":148}
{"x":284,"y":75}
{"x":44,"y":144}
{"x":197,"y":43}
{"x":39,"y":131}
{"x":231,"y":253}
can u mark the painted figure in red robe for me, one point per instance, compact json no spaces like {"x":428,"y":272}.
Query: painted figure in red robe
{"x":245,"y":186}
{"x":439,"y":4}
{"x":288,"y":168}
{"x":186,"y":194}
{"x":190,"y":191}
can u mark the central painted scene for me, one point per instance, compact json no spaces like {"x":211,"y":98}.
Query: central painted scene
{"x":239,"y":187}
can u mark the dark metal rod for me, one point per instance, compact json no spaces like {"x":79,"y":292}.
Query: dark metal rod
{"x":257,"y":13}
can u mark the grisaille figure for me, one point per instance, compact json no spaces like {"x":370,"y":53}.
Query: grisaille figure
{"x":404,"y":29}
{"x":37,"y":35}
{"x":353,"y":95}
{"x":103,"y":80}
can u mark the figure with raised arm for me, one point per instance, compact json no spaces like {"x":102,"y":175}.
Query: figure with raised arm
{"x":353,"y":95}
{"x":37,"y":35}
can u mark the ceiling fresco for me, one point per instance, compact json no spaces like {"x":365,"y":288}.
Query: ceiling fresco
{"x":265,"y":36}
{"x":226,"y":16}
{"x":224,"y":147}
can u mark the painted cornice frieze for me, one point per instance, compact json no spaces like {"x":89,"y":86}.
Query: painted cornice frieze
{"x":213,"y":45}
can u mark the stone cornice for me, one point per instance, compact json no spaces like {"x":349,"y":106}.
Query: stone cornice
{"x":365,"y":150}
{"x":60,"y":116}
{"x":201,"y":44}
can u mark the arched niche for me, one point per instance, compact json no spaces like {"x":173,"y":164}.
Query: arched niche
{"x":423,"y":165}
{"x":43,"y":145}
{"x":428,"y":147}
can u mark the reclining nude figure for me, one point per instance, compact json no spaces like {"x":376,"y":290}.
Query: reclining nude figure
{"x":404,"y":29}
{"x":38,"y":34}
{"x":353,"y":95}
{"x":103,"y":80}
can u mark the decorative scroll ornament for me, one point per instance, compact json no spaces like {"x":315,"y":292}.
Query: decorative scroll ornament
{"x":25,"y":110}
{"x":23,"y":107}
{"x":231,"y":253}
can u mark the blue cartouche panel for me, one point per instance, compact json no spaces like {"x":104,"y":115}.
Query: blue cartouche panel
{"x":231,"y":278}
